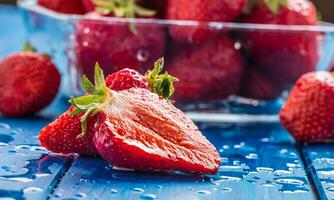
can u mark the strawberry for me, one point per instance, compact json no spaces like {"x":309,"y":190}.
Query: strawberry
{"x":89,"y":5}
{"x":64,"y":6}
{"x":63,"y":135}
{"x":284,"y":54}
{"x":120,"y":44}
{"x":208,"y":71}
{"x":29,"y":82}
{"x":204,"y":11}
{"x":255,"y":84}
{"x":308,"y":112}
{"x":139,"y":130}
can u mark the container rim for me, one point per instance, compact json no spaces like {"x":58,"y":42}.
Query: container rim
{"x":321,"y":27}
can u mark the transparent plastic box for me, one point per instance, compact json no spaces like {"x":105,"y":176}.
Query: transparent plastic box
{"x":233,"y":68}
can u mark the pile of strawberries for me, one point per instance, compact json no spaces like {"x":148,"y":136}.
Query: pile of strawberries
{"x":212,"y":63}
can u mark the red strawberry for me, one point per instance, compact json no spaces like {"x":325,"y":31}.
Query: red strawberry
{"x":63,"y":135}
{"x":199,"y":10}
{"x":284,"y":54}
{"x":29,"y":82}
{"x":209,"y":71}
{"x":256,"y":84}
{"x":142,"y":131}
{"x":88,"y":5}
{"x":64,"y":6}
{"x":117,"y":45}
{"x":308,"y":113}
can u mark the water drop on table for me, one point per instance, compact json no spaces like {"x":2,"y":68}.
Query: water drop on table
{"x":32,"y":190}
{"x":203,"y":192}
{"x":113,"y":191}
{"x":148,"y":196}
{"x":138,"y":190}
{"x":80,"y":195}
{"x":226,"y":189}
{"x":331,"y":189}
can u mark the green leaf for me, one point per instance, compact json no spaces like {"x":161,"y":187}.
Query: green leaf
{"x":161,"y":84}
{"x":99,"y":77}
{"x":275,"y":5}
{"x":87,"y":85}
{"x":76,"y":111}
{"x":27,"y":47}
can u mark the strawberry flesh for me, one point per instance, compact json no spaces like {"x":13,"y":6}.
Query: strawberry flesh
{"x":141,"y":131}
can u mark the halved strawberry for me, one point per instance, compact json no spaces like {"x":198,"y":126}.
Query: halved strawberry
{"x":139,"y":130}
{"x":64,"y":134}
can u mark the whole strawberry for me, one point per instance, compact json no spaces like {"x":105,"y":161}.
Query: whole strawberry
{"x":64,"y":6}
{"x":29,"y":82}
{"x":204,"y":11}
{"x":308,"y":112}
{"x":139,"y":130}
{"x":256,"y":84}
{"x":64,"y":134}
{"x":284,"y":54}
{"x":209,"y":71}
{"x":117,"y":45}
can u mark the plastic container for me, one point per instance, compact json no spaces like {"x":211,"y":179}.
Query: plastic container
{"x":223,"y":67}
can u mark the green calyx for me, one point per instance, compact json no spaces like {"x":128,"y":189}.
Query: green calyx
{"x":161,"y":84}
{"x":95,"y":100}
{"x":27,"y":47}
{"x":273,"y":5}
{"x":122,"y":8}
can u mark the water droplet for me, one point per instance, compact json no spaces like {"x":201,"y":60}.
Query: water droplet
{"x":148,"y":196}
{"x":264,"y":169}
{"x":331,"y":189}
{"x":38,"y":149}
{"x":23,"y":147}
{"x":57,"y":195}
{"x":143,"y":55}
{"x":138,"y":190}
{"x":80,"y":195}
{"x":42,"y":175}
{"x":13,"y":151}
{"x":252,"y":156}
{"x":5,"y":167}
{"x":113,"y":191}
{"x":32,"y":190}
{"x":2,"y":144}
{"x":229,"y":178}
{"x":267,"y":185}
{"x":203,"y":192}
{"x":289,"y":181}
{"x":4,"y":128}
{"x":226,"y":189}
{"x":159,"y":187}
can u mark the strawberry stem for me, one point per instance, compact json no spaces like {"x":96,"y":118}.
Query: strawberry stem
{"x":122,"y":8}
{"x":273,"y":5}
{"x":161,"y":84}
{"x":95,"y":100}
{"x":27,"y":47}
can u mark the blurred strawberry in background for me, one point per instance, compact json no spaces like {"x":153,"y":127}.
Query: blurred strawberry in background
{"x":199,"y":10}
{"x":285,"y":54}
{"x":206,"y":71}
{"x":64,"y":6}
{"x":120,"y":44}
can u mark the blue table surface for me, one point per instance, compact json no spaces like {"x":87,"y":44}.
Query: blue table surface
{"x":259,"y":161}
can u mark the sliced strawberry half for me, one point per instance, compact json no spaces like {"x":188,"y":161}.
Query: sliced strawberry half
{"x":139,"y":130}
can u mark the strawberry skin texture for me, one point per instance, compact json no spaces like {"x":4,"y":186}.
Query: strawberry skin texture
{"x":201,"y":10}
{"x":139,"y":130}
{"x":60,"y":136}
{"x":88,"y":5}
{"x":256,"y":84}
{"x":115,"y":47}
{"x":287,"y":55}
{"x":29,"y":82}
{"x":308,"y":112}
{"x":209,"y":71}
{"x":64,"y":6}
